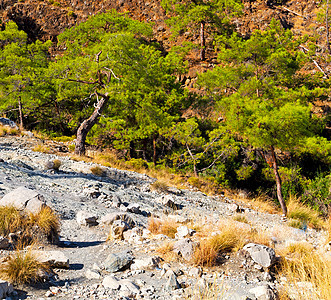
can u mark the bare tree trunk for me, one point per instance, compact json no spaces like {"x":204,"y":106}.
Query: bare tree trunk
{"x":327,"y":27}
{"x":20,"y":112}
{"x":154,"y":149}
{"x":202,"y":41}
{"x":86,"y":126}
{"x":278,"y":181}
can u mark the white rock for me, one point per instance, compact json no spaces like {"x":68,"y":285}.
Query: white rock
{"x":146,"y":263}
{"x":85,"y":218}
{"x":24,"y":199}
{"x":111,"y":282}
{"x":263,"y":292}
{"x":184,"y":232}
{"x":261,"y":254}
{"x":130,"y":286}
{"x":92,"y":274}
{"x":54,"y":258}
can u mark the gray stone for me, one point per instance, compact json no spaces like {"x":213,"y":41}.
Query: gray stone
{"x":130,"y":286}
{"x":4,"y":243}
{"x":118,"y":261}
{"x":6,"y":288}
{"x":111,"y":282}
{"x":85,"y":218}
{"x":24,"y":199}
{"x":8,"y":122}
{"x":172,"y":283}
{"x":261,"y":254}
{"x":185,"y":248}
{"x":145,"y":263}
{"x":133,"y":208}
{"x":56,"y":259}
{"x":92,"y":274}
{"x":264,"y":292}
{"x":110,"y":218}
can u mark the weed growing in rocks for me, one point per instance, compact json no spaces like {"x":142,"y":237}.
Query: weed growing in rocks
{"x":97,"y":171}
{"x":42,"y":148}
{"x":305,"y":214}
{"x":6,"y":130}
{"x":22,"y":267}
{"x":31,"y":227}
{"x":159,"y":186}
{"x":166,"y":227}
{"x":240,"y":218}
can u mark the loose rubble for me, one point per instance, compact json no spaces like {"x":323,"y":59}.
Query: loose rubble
{"x":105,"y":249}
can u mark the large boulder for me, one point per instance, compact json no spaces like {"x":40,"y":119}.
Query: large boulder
{"x":24,"y":199}
{"x":6,"y":288}
{"x":261,"y":254}
{"x":85,"y":218}
{"x":118,"y":261}
{"x":7,"y":122}
{"x":56,"y":259}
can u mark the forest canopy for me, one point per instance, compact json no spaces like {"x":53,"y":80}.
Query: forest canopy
{"x":248,"y":123}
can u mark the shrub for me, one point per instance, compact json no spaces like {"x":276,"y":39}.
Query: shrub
{"x":56,"y":164}
{"x":97,"y":171}
{"x":303,"y":213}
{"x":42,"y":148}
{"x":22,"y":267}
{"x":10,"y":220}
{"x":137,"y":163}
{"x":195,"y":182}
{"x":159,"y":186}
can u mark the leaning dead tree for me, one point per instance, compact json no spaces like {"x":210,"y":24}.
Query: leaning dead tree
{"x":103,"y":78}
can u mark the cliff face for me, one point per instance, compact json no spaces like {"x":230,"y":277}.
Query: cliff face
{"x":46,"y":19}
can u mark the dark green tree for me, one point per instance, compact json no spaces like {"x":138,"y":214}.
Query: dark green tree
{"x":22,"y":68}
{"x":201,"y":16}
{"x":262,"y":94}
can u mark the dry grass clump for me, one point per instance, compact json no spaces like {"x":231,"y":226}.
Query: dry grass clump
{"x":56,"y":164}
{"x":308,"y":273}
{"x":166,"y":227}
{"x":240,"y":218}
{"x":98,"y":171}
{"x":30,"y":227}
{"x":305,"y":214}
{"x":42,"y":148}
{"x":209,"y":249}
{"x":48,"y":223}
{"x":209,"y":292}
{"x":22,"y":267}
{"x":328,"y":227}
{"x":166,"y":252}
{"x":11,"y":220}
{"x":6,"y":130}
{"x":159,"y":186}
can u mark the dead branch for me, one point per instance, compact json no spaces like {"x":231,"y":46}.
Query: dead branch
{"x":315,"y":62}
{"x":293,"y":12}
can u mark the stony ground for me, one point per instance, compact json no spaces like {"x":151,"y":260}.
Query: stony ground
{"x":74,"y":188}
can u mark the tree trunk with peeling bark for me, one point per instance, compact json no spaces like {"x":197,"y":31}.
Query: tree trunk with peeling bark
{"x":278,"y":181}
{"x":87,"y":125}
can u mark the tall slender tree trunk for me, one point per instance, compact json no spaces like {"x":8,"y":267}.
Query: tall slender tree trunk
{"x":154,"y":149}
{"x":86,"y":126}
{"x":278,"y":181}
{"x":327,"y":27}
{"x":20,"y":111}
{"x":202,"y":41}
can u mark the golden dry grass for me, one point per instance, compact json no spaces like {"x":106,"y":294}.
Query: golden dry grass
{"x":166,"y":252}
{"x":56,"y":164}
{"x":21,"y":268}
{"x":159,"y":186}
{"x":42,"y":148}
{"x":6,"y":130}
{"x":97,"y":171}
{"x":167,"y":227}
{"x":308,"y":273}
{"x":298,"y":211}
{"x":30,"y":226}
{"x":209,"y":292}
{"x":240,"y":218}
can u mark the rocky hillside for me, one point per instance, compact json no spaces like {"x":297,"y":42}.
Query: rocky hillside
{"x":107,"y":250}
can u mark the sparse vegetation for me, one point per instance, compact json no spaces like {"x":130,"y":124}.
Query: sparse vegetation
{"x":159,"y":186}
{"x":42,"y":148}
{"x":308,"y":273}
{"x":30,"y":227}
{"x":22,"y":267}
{"x":240,"y":218}
{"x":98,"y":171}
{"x":305,"y":214}
{"x":6,"y":130}
{"x":166,"y":227}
